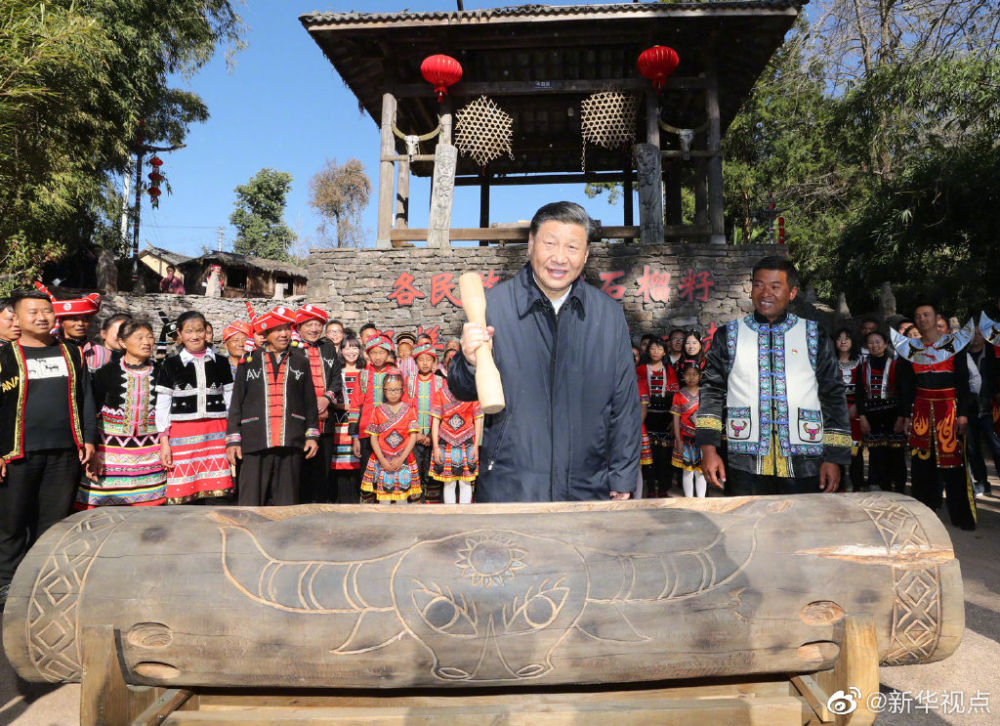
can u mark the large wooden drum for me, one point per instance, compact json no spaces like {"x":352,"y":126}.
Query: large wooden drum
{"x":485,"y":595}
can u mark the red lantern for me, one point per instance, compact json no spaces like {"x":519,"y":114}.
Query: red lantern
{"x":657,"y":63}
{"x":156,"y":177}
{"x":156,"y":161}
{"x":441,"y":71}
{"x":154,"y":192}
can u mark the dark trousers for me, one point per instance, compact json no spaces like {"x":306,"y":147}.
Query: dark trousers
{"x":925,"y":489}
{"x":348,"y":486}
{"x":660,"y":475}
{"x":431,"y":487}
{"x":887,"y":468}
{"x":743,"y":483}
{"x":271,"y":477}
{"x":856,"y":471}
{"x":980,"y":429}
{"x":317,"y":483}
{"x":37,"y":492}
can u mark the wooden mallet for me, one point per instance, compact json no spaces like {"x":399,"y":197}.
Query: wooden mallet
{"x":488,"y":385}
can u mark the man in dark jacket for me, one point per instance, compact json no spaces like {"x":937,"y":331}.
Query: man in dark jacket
{"x":572,"y":426}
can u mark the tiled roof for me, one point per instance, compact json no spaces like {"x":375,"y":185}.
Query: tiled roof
{"x":521,"y":12}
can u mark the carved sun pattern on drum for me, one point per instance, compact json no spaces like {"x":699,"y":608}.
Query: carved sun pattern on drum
{"x":490,"y":560}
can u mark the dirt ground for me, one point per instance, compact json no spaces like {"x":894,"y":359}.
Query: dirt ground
{"x":923,"y":695}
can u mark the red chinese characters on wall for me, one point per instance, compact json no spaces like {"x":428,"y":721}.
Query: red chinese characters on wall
{"x":695,"y":285}
{"x":616,"y":291}
{"x":443,"y":288}
{"x":403,"y":291}
{"x":654,"y":285}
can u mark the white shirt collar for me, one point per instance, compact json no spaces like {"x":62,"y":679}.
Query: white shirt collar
{"x":187,"y":356}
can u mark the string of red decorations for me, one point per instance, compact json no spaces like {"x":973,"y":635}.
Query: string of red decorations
{"x":155,"y":177}
{"x":441,"y":71}
{"x":657,"y":63}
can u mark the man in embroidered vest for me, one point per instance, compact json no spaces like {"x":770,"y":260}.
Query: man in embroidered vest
{"x":935,"y":401}
{"x":324,"y":368}
{"x":273,"y":417}
{"x":772,"y":384}
{"x":48,"y":428}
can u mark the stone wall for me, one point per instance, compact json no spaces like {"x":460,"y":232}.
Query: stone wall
{"x":660,"y":286}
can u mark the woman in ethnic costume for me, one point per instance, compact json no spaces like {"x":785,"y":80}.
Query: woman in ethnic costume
{"x":193,"y":388}
{"x":661,"y":382}
{"x":346,"y":465}
{"x":392,"y":473}
{"x":687,"y":455}
{"x":849,"y":360}
{"x":126,"y":469}
{"x":456,"y":430}
{"x":877,"y":399}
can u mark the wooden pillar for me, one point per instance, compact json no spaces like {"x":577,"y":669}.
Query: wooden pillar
{"x":443,"y":184}
{"x":673,"y":185}
{"x":628,"y":186}
{"x":716,"y":213}
{"x":387,"y":172}
{"x":700,"y":196}
{"x":649,"y":173}
{"x":105,"y":698}
{"x":403,"y":196}
{"x":484,"y":205}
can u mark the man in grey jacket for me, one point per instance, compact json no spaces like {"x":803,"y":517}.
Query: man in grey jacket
{"x":572,"y":426}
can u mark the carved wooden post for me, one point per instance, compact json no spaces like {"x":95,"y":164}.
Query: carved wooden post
{"x":715,"y":198}
{"x":649,"y":168}
{"x":443,"y":184}
{"x":647,"y":161}
{"x":387,"y":172}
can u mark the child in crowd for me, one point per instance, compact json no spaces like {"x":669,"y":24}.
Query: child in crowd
{"x":346,"y":465}
{"x":193,"y":389}
{"x":661,"y":382}
{"x":421,"y":392}
{"x":405,"y":357}
{"x":126,"y":468}
{"x":368,"y":395}
{"x":392,"y":474}
{"x":687,"y":455}
{"x":273,"y":419}
{"x":456,"y":430}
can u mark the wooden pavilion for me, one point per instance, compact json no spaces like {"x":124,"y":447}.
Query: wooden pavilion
{"x":539,"y":65}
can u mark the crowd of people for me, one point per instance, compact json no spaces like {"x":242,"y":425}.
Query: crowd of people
{"x":292,"y":407}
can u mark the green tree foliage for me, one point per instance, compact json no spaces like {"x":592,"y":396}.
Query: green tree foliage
{"x":260,"y":208}
{"x":75,"y":80}
{"x":340,"y":192}
{"x":876,"y":130}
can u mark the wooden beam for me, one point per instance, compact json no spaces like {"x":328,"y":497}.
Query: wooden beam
{"x":513,"y":181}
{"x":518,"y":88}
{"x":387,"y":172}
{"x":519,"y":233}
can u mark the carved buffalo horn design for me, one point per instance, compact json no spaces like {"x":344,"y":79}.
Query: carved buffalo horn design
{"x":510,"y":595}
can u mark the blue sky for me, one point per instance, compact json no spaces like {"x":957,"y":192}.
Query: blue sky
{"x":284,"y":106}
